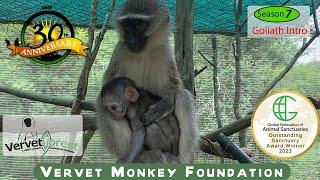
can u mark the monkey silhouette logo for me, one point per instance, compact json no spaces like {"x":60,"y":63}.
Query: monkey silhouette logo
{"x":28,"y":130}
{"x":7,"y":42}
{"x":16,"y":42}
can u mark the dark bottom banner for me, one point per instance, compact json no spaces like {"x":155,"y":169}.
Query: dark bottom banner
{"x":162,"y":171}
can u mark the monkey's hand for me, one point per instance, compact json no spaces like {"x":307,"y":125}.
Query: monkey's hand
{"x":159,"y":110}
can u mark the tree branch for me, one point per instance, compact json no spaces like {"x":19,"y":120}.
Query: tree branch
{"x":238,"y":58}
{"x":245,"y":122}
{"x":89,"y":123}
{"x":84,"y":76}
{"x":65,"y":102}
{"x":315,"y":19}
{"x":197,"y":72}
{"x":215,"y":82}
{"x":215,"y":149}
{"x":231,"y":128}
{"x":183,"y":40}
{"x":205,"y":58}
{"x":83,"y":80}
{"x":103,"y":30}
{"x":288,"y":68}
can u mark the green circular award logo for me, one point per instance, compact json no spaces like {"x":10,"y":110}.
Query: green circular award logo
{"x":280,"y":108}
{"x":285,"y":124}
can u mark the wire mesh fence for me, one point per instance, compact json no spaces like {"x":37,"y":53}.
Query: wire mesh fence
{"x":263,"y":60}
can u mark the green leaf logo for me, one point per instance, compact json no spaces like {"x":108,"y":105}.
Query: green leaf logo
{"x":46,"y":138}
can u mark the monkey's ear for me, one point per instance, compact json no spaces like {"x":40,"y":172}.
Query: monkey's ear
{"x":131,"y":94}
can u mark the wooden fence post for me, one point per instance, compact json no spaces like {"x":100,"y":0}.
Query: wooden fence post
{"x":184,"y":42}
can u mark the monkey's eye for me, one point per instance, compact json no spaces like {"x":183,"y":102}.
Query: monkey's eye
{"x":124,"y":23}
{"x":113,"y":107}
{"x":140,"y":24}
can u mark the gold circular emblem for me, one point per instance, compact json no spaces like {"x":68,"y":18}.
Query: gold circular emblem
{"x":285,"y":124}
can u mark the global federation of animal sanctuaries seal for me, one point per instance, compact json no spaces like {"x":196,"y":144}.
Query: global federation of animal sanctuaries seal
{"x":285,"y":124}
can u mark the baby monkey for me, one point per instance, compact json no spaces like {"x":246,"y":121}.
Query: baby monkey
{"x":151,"y":142}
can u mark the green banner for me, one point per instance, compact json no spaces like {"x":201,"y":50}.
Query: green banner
{"x":162,"y":171}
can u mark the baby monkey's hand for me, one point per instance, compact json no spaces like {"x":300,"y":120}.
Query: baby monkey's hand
{"x":159,"y":110}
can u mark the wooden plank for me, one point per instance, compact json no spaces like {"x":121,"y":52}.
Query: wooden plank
{"x":184,"y":42}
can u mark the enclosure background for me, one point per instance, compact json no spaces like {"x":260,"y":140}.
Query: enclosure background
{"x":269,"y":56}
{"x":263,"y":60}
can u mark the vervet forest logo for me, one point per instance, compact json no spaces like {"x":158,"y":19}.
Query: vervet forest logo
{"x":285,"y":124}
{"x":47,"y":37}
{"x":281,"y":109}
{"x":36,"y":139}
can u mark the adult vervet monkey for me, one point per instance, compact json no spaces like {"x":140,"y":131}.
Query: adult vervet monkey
{"x":143,"y":55}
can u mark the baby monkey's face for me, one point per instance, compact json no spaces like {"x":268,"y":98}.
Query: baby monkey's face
{"x":118,"y":100}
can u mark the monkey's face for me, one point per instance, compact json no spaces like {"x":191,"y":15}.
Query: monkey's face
{"x":133,"y":33}
{"x":119,"y":99}
{"x":117,"y":95}
{"x":116,"y":106}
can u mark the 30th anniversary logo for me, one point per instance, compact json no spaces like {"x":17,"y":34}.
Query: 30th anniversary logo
{"x":47,"y":37}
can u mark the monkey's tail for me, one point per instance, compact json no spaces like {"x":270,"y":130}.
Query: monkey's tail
{"x":185,"y":110}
